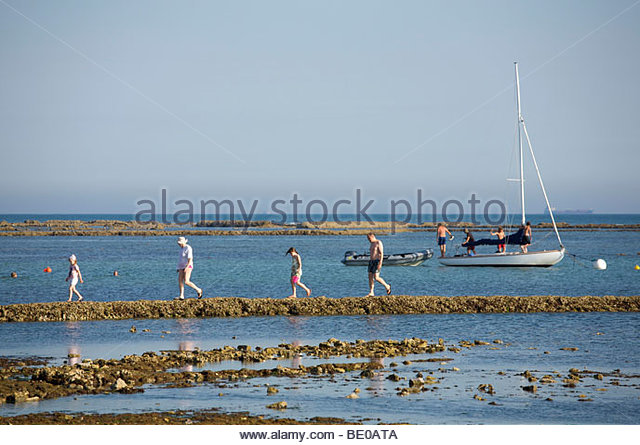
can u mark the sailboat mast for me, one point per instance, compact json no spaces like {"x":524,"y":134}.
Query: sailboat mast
{"x":520,"y":145}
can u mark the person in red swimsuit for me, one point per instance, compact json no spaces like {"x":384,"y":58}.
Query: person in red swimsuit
{"x":500,"y":235}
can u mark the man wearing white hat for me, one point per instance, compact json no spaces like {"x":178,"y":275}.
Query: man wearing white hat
{"x":185,"y":267}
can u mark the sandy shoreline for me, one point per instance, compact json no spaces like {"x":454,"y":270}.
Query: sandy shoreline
{"x":319,"y":306}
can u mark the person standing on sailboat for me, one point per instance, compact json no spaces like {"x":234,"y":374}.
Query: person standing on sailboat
{"x":442,"y":238}
{"x":501,"y":241}
{"x":526,"y":238}
{"x":471,"y":249}
{"x":376,"y":254}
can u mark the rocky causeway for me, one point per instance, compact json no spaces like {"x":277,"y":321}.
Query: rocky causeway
{"x":315,"y":306}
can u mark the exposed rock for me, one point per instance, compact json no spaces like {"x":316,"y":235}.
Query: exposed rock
{"x":241,"y":307}
{"x":17,"y":397}
{"x":487,"y":388}
{"x":367,"y":374}
{"x":547,"y":379}
{"x":119,"y":385}
{"x":278,"y":405}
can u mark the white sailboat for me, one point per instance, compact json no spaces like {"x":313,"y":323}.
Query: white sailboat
{"x":544,"y":258}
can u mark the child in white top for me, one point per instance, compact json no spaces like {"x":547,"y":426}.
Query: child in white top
{"x":185,"y":267}
{"x":73,"y":277}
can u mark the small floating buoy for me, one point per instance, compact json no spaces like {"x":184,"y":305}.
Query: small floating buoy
{"x":637,"y":267}
{"x":599,"y":264}
{"x":47,"y":269}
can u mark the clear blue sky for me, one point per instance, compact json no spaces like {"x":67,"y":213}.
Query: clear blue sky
{"x":103,"y":103}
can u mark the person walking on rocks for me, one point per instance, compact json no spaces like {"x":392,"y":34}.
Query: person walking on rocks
{"x":296,"y":272}
{"x":73,"y":277}
{"x":376,"y":254}
{"x":185,"y":268}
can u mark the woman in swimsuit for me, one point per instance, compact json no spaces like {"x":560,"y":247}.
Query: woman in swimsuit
{"x":73,"y":277}
{"x":296,"y":272}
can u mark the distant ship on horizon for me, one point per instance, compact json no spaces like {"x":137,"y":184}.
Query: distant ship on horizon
{"x":570,"y":211}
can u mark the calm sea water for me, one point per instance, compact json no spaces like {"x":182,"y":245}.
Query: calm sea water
{"x":529,"y":335}
{"x":256,"y":267}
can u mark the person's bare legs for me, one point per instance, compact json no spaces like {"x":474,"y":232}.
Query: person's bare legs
{"x":443,"y":250}
{"x":181,"y":283}
{"x":72,"y":290}
{"x":293,"y":288}
{"x":306,"y":289}
{"x":379,"y":279}
{"x":188,"y":282}
{"x":371,"y":284}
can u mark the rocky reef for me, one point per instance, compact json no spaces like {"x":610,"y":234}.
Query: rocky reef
{"x":31,"y":383}
{"x":246,"y":307}
{"x":29,"y":380}
{"x":253,"y":228}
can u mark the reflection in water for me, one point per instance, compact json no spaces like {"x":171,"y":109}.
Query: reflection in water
{"x":73,"y":333}
{"x":185,"y":328}
{"x":296,"y":323}
{"x":376,"y":324}
{"x":377,"y":381}
{"x":297,"y":359}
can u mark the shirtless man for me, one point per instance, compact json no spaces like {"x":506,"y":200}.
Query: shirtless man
{"x":442,"y":238}
{"x":526,"y":238}
{"x":376,"y":253}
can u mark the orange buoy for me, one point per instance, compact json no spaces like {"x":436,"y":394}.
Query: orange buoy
{"x":47,"y":269}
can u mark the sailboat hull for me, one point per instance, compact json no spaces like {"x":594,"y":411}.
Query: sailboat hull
{"x":543,"y":258}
